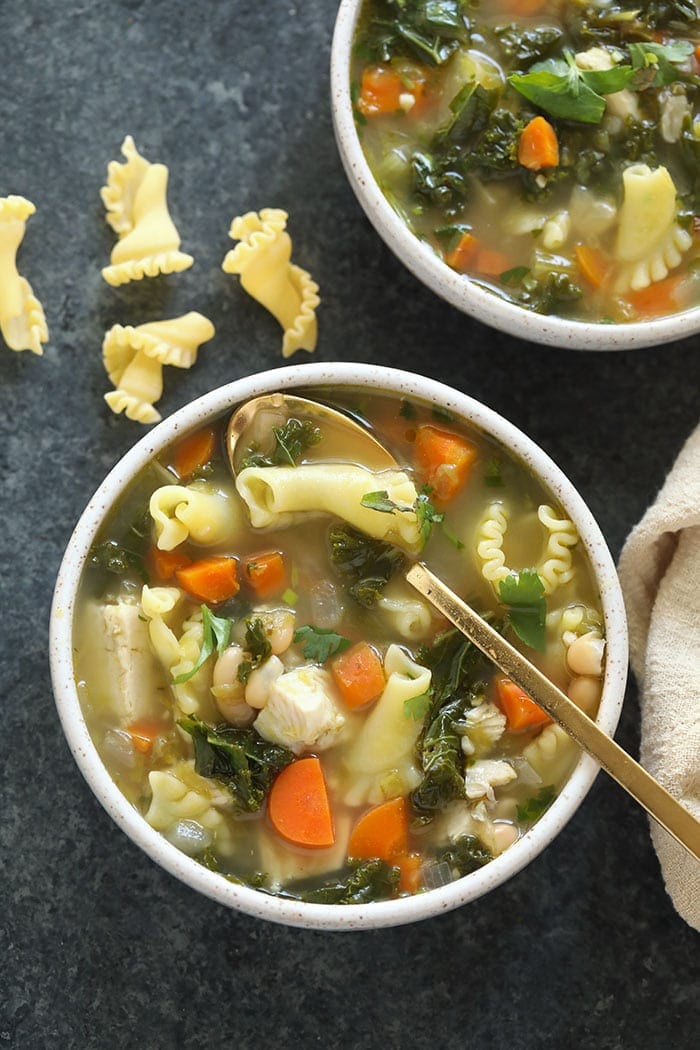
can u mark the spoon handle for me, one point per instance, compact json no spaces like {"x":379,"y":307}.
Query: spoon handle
{"x":647,"y":791}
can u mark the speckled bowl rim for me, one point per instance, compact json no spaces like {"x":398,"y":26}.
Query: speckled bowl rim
{"x":330,"y":917}
{"x":424,"y":264}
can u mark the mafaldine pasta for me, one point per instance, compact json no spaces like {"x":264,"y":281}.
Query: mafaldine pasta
{"x":137,"y":211}
{"x":262,"y":259}
{"x":22,"y":320}
{"x":134,"y":360}
{"x":248,"y":646}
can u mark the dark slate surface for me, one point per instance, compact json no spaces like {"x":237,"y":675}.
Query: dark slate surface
{"x":100,"y":948}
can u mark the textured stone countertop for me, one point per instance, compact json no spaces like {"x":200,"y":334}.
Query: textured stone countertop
{"x":99,"y":947}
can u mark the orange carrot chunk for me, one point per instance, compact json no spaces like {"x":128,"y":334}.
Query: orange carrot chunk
{"x":211,"y":579}
{"x":491,"y":262}
{"x":266,"y":573}
{"x":659,"y":298}
{"x":521,"y":712}
{"x":298,"y":805}
{"x":538,"y":147}
{"x":359,"y":675}
{"x":144,"y":734}
{"x":381,"y":832}
{"x":380,"y":91}
{"x":162,"y":565}
{"x":445,"y":460}
{"x":194,"y":452}
{"x":463,"y":254}
{"x":409,"y":866}
{"x":593,"y":265}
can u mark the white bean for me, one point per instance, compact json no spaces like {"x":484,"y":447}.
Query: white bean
{"x":585,"y":655}
{"x":237,"y":712}
{"x":261,"y":680}
{"x":226,"y":672}
{"x":585,"y":693}
{"x":279,"y":629}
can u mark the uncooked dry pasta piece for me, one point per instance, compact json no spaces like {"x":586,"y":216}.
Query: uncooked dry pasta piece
{"x":134,"y":359}
{"x":22,"y":320}
{"x":137,"y":211}
{"x":262,"y":260}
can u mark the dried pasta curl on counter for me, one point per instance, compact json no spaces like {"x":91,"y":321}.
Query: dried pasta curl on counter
{"x":262,"y":259}
{"x":22,"y":320}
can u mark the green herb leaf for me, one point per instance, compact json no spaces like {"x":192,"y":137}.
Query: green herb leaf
{"x":380,"y":501}
{"x":492,"y":474}
{"x":239,"y":758}
{"x":216,"y":632}
{"x":407,"y":410}
{"x":522,"y":593}
{"x":557,"y":87}
{"x":426,"y":513}
{"x":291,"y":441}
{"x":442,"y":415}
{"x":451,"y":536}
{"x":514,"y":277}
{"x":320,"y":643}
{"x":258,"y":645}
{"x":534,"y":807}
{"x":659,"y":60}
{"x":417,"y":707}
{"x":366,"y":565}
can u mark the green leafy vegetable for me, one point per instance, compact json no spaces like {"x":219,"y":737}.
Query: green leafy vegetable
{"x":258,"y":645}
{"x":426,"y":513}
{"x":655,"y":63}
{"x":442,"y":414}
{"x":534,"y":807}
{"x":369,"y":880}
{"x":525,"y":45}
{"x":496,"y":151}
{"x":492,"y":474}
{"x":470,"y":108}
{"x":366,"y":565}
{"x":522,"y":593}
{"x":548,"y":294}
{"x":238,"y":758}
{"x":291,"y":441}
{"x":417,"y":707}
{"x":559,"y":88}
{"x":320,"y":643}
{"x":451,"y":536}
{"x":407,"y":410}
{"x":216,"y":632}
{"x":117,"y":558}
{"x":465,"y":855}
{"x":380,"y":501}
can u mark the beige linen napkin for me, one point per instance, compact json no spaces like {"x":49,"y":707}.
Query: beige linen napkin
{"x":660,"y":576}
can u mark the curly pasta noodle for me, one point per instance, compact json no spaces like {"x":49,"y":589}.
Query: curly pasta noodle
{"x":22,"y":320}
{"x":489,"y":542}
{"x":556,"y":567}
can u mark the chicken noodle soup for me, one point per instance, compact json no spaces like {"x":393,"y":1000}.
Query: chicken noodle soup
{"x":274,"y":698}
{"x":548,"y":150}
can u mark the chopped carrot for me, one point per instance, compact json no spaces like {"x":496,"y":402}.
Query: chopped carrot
{"x":359,"y":675}
{"x":521,"y":712}
{"x":266,"y":573}
{"x":463,"y":254}
{"x":162,"y":565}
{"x":381,"y":832}
{"x":659,"y":298}
{"x":445,"y":459}
{"x":593,"y":265}
{"x":697,"y":53}
{"x":194,"y":452}
{"x":525,"y":7}
{"x":538,"y":146}
{"x":382,"y":89}
{"x":409,"y":864}
{"x":298,"y":805}
{"x":144,"y":734}
{"x":491,"y":263}
{"x":211,"y":579}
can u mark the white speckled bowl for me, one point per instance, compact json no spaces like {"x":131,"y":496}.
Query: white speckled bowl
{"x":330,"y":917}
{"x":458,"y":290}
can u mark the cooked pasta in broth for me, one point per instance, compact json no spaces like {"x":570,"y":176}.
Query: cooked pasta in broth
{"x":273,"y":697}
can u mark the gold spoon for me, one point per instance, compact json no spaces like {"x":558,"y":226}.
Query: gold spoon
{"x":647,"y":791}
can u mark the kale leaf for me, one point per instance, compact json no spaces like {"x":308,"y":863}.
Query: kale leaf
{"x":497,"y":149}
{"x":258,"y":645}
{"x":525,"y":46}
{"x":364,"y":564}
{"x":427,"y":30}
{"x":239,"y":758}
{"x":548,"y":294}
{"x":465,"y":855}
{"x":534,"y":807}
{"x":369,"y":880}
{"x":123,"y":556}
{"x":291,"y":441}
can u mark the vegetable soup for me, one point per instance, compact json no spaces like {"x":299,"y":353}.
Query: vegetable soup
{"x":547,"y":149}
{"x":269,"y":692}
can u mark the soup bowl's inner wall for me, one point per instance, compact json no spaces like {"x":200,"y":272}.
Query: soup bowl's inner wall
{"x":422,"y":261}
{"x":64,"y":608}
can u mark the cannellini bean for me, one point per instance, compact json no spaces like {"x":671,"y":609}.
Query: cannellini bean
{"x":585,"y":692}
{"x":261,"y":680}
{"x":585,"y":655}
{"x":237,"y":712}
{"x":226,"y":672}
{"x":503,"y":835}
{"x":279,"y":629}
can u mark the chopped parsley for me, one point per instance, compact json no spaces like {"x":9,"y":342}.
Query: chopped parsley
{"x":319,"y":643}
{"x":522,"y":593}
{"x":291,"y":441}
{"x":533,"y":809}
